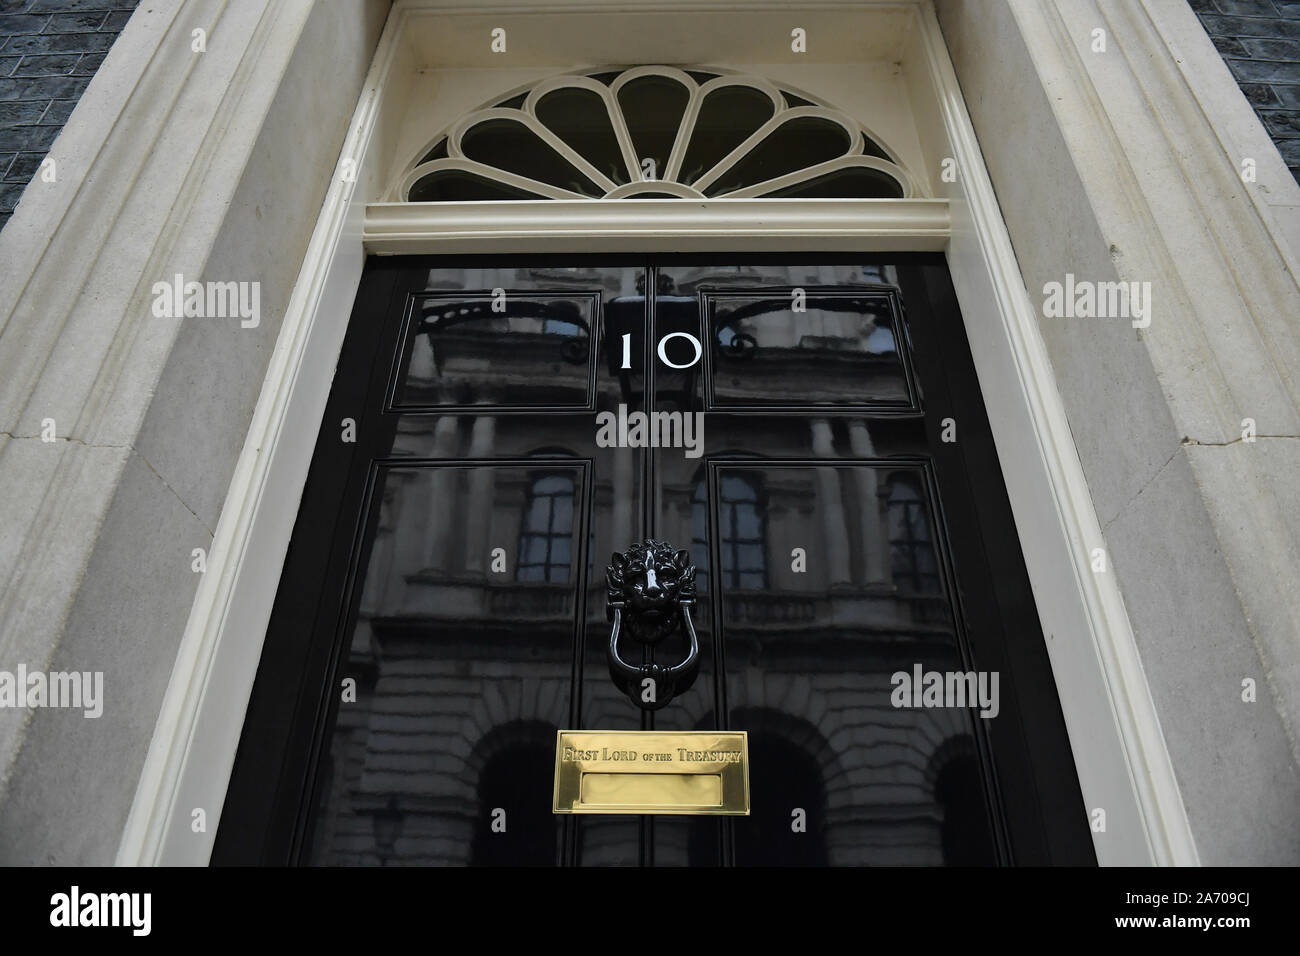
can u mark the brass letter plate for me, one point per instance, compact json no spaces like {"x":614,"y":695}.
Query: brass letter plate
{"x":645,"y":771}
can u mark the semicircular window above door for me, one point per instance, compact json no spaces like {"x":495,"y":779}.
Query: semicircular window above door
{"x":656,"y":132}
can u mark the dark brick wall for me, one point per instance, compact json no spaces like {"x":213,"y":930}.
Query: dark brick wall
{"x":1260,"y":42}
{"x":49,"y":50}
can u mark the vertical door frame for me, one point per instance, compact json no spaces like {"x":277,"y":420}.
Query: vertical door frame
{"x":1119,"y":750}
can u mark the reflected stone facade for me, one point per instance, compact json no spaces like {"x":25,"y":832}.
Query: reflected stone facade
{"x":830,"y":575}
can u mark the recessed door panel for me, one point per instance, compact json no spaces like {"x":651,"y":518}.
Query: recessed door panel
{"x":448,"y":710}
{"x":799,"y":348}
{"x":813,"y":635}
{"x":501,"y":349}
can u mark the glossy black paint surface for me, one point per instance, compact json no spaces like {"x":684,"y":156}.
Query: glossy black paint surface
{"x":450,"y":563}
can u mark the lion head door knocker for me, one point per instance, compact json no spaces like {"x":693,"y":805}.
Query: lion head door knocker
{"x":651,"y":593}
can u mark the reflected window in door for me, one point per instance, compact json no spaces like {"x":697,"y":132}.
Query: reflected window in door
{"x":547,"y":530}
{"x":561,"y":327}
{"x":744,"y":530}
{"x":910,"y":543}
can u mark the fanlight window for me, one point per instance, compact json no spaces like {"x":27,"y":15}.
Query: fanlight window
{"x":654,"y":133}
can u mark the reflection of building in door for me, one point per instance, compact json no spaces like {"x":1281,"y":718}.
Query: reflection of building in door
{"x":464,"y":674}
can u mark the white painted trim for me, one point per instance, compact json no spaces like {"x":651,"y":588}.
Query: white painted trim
{"x":698,"y":95}
{"x":536,"y":187}
{"x":798,"y":112}
{"x":624,"y":132}
{"x":809,"y":173}
{"x":630,"y":164}
{"x":456,"y":149}
{"x":640,"y":187}
{"x":657,"y":224}
{"x":1118,"y":747}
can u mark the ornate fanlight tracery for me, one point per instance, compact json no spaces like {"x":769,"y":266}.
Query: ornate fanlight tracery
{"x":655,"y":132}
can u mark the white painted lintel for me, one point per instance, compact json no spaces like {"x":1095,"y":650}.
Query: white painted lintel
{"x":652,"y":225}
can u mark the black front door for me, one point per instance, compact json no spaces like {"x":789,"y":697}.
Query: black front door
{"x":810,"y":429}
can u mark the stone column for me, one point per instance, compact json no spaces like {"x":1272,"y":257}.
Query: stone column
{"x":873,"y":534}
{"x":832,"y":507}
{"x":440,"y":524}
{"x":479,"y":517}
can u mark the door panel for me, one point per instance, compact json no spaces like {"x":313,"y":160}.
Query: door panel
{"x":442,"y":680}
{"x":451,"y":562}
{"x":838,"y":350}
{"x":831,"y":578}
{"x":809,"y":659}
{"x":466,"y":349}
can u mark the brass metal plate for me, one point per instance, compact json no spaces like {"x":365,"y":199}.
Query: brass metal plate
{"x":645,"y":771}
